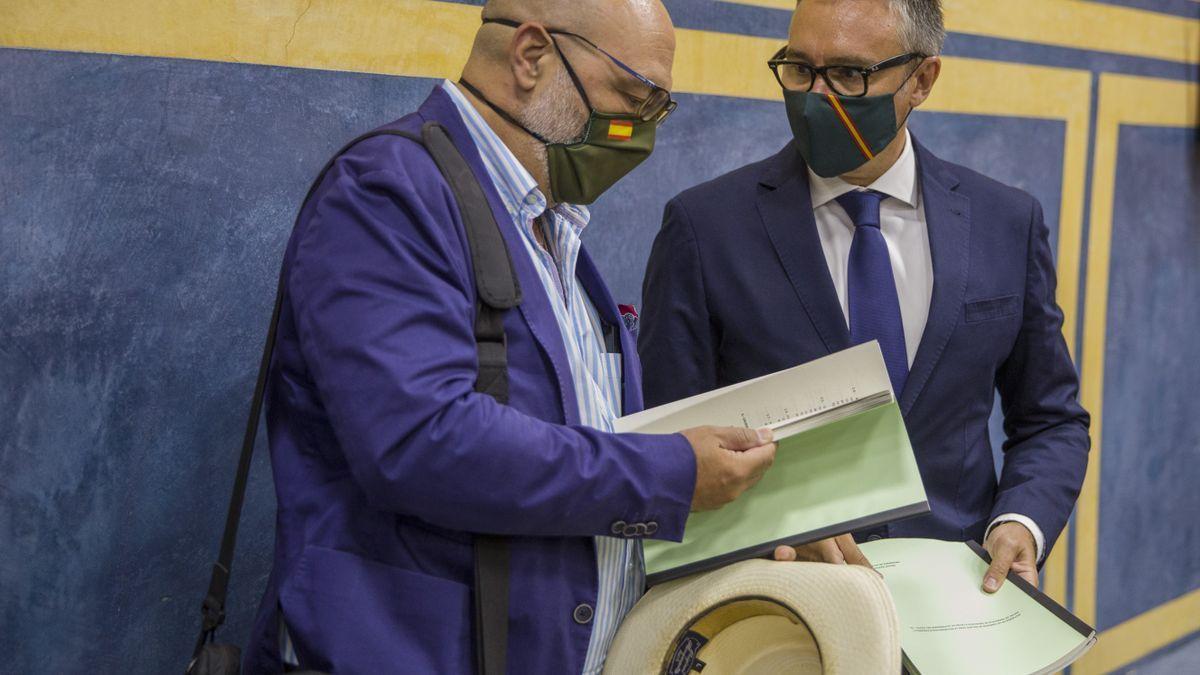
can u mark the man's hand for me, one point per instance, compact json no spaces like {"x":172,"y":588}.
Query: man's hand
{"x":1011,"y":547}
{"x":729,"y":460}
{"x":840,"y":550}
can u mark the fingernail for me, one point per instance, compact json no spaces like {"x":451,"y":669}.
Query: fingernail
{"x":990,"y":584}
{"x":765,"y":435}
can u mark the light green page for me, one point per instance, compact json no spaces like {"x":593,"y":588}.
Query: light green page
{"x":829,"y":477}
{"x":949,"y":625}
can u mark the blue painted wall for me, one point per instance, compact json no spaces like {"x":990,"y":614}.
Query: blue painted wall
{"x":144,"y":204}
{"x":1149,"y":526}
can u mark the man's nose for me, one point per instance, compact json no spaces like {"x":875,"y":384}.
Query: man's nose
{"x":820,"y":86}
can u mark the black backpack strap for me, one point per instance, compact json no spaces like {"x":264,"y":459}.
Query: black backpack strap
{"x":498,"y":290}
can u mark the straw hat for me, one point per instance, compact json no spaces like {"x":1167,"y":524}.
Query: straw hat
{"x":762,"y":617}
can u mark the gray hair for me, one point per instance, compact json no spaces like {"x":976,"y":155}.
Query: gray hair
{"x":922,"y":29}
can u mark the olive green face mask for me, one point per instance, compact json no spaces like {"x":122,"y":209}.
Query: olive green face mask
{"x":611,"y":146}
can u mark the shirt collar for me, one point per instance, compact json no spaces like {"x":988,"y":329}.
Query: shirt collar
{"x":900,"y":181}
{"x":518,"y":190}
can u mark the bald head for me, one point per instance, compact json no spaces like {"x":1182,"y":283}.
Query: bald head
{"x":638,"y":32}
{"x":523,"y":66}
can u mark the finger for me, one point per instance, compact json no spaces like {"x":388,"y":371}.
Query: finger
{"x":756,"y":460}
{"x":785,"y":553}
{"x":830,"y":552}
{"x":808,"y":553}
{"x":851,"y":552}
{"x":1002,"y":559}
{"x":741,"y":438}
{"x":1027,"y":572}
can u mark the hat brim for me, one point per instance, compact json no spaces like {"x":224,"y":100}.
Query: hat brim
{"x":846,"y":609}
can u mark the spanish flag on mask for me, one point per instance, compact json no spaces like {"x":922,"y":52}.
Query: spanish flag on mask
{"x":620,"y":130}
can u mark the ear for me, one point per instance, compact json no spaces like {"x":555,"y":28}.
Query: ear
{"x":529,"y":53}
{"x":924,"y":79}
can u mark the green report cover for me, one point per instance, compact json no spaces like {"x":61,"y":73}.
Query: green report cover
{"x":844,"y":462}
{"x":949,"y":625}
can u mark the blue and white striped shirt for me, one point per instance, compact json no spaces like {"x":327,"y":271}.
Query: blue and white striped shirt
{"x":595,"y":372}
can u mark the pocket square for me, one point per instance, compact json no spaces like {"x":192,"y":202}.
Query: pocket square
{"x":630,"y":316}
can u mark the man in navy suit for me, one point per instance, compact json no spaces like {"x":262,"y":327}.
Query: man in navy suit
{"x":388,"y":463}
{"x":855,"y":232}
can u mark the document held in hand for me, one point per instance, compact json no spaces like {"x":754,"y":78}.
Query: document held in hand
{"x":948,"y":625}
{"x":844,"y":461}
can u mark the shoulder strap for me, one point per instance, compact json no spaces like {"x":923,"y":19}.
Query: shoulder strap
{"x":498,"y":290}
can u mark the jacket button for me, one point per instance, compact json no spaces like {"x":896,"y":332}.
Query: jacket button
{"x":583,"y":613}
{"x":651,"y":527}
{"x":874,"y":537}
{"x":618,"y":528}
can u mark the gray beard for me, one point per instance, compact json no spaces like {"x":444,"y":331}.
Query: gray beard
{"x":555,"y":116}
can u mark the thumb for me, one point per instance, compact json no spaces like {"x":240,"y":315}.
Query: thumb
{"x":1001,"y":560}
{"x":741,"y":438}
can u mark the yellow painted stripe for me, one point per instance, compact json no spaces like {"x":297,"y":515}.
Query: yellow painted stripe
{"x":1054,"y":572}
{"x":1123,"y":100}
{"x":374,"y":36}
{"x":1067,"y":23}
{"x":849,"y":124}
{"x":1129,"y":641}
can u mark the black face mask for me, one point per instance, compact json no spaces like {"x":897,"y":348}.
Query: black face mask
{"x":837,"y":134}
{"x":611,"y":146}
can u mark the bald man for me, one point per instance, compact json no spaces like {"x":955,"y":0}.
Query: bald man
{"x":388,"y":464}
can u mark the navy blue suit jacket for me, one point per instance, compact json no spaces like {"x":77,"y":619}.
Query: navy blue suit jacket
{"x":737,"y":287}
{"x":386,"y":461}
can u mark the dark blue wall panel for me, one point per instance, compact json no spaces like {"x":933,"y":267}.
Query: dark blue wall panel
{"x":143,"y":208}
{"x":1149,"y":501}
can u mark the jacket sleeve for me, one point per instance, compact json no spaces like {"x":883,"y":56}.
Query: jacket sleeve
{"x":677,"y":342}
{"x":384,"y":300}
{"x":1046,"y":451}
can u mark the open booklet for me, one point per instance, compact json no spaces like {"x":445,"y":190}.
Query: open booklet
{"x":948,"y":624}
{"x":844,"y":461}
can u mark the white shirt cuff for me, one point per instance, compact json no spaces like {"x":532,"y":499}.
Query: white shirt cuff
{"x":1038,"y":539}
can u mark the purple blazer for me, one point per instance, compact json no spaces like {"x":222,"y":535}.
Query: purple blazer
{"x":385,"y":459}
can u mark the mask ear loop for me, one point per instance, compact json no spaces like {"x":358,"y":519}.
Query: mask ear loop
{"x":507,"y":117}
{"x":574,"y":77}
{"x":902,"y":84}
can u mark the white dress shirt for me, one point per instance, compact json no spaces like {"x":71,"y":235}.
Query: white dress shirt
{"x":902,"y":222}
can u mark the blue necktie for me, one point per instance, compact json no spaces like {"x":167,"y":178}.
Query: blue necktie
{"x":874,"y":305}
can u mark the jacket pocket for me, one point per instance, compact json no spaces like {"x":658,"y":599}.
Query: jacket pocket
{"x":991,"y":308}
{"x":350,"y":614}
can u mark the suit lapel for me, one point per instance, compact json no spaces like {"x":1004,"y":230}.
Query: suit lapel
{"x":785,"y":206}
{"x":535,"y":306}
{"x":948,"y":217}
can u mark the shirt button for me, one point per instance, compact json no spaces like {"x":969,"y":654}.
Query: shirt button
{"x":618,"y":528}
{"x":874,"y":537}
{"x":582,"y":614}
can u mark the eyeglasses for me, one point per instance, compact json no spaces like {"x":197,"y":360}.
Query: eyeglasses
{"x":655,"y":107}
{"x":849,"y":81}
